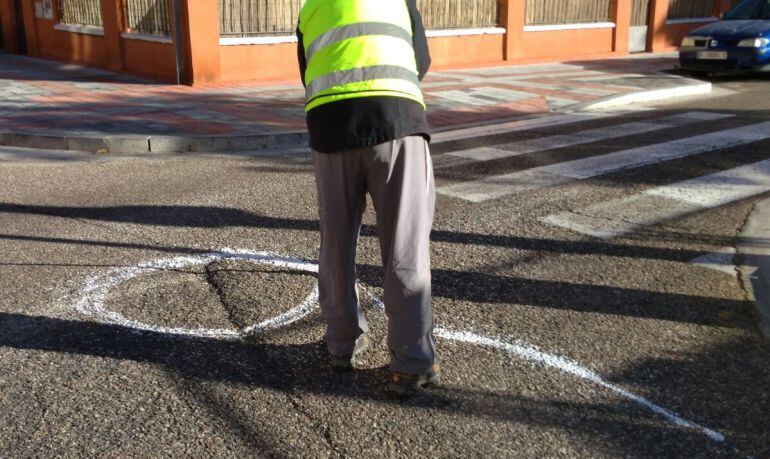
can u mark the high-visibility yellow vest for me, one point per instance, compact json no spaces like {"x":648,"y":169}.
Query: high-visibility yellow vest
{"x":358,"y":48}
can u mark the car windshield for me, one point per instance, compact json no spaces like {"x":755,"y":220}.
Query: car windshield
{"x":750,"y":9}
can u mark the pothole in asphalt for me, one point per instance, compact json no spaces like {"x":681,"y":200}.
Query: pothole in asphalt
{"x":253,"y":293}
{"x":170,"y":299}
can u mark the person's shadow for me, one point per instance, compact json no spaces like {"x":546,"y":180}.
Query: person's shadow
{"x":303,"y":368}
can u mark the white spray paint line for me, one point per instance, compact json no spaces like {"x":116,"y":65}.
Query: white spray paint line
{"x":97,"y":288}
{"x":576,"y":138}
{"x":569,"y":366}
{"x":556,"y":174}
{"x":721,"y":260}
{"x":563,"y":364}
{"x":656,"y":205}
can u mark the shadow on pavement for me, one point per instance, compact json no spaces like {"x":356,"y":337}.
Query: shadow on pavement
{"x":501,"y":289}
{"x":218,"y":217}
{"x":294,"y":369}
{"x":728,"y":382}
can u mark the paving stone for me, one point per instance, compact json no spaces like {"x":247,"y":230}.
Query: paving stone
{"x":83,"y":103}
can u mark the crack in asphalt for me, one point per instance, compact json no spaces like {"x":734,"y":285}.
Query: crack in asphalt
{"x":216,"y":288}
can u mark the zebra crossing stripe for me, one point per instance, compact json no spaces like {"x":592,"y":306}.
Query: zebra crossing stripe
{"x":567,"y":140}
{"x":522,"y":125}
{"x":555,"y":174}
{"x":722,"y":260}
{"x":657,"y":205}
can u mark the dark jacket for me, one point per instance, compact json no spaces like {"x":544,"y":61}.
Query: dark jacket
{"x":369,"y":121}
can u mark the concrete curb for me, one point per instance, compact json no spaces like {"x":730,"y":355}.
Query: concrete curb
{"x":152,"y":143}
{"x":754,"y":262}
{"x":123,"y":144}
{"x":695,"y":88}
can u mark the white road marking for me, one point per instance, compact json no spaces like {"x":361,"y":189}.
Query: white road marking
{"x":576,"y":138}
{"x":97,"y":288}
{"x":528,"y":124}
{"x":567,"y":365}
{"x":556,"y":174}
{"x":656,"y":205}
{"x":722,"y":261}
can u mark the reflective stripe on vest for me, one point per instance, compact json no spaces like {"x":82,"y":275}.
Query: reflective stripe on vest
{"x":356,"y":30}
{"x":358,"y":48}
{"x":377,"y":72}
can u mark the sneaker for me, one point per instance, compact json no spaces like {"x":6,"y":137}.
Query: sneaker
{"x":403,"y":385}
{"x":345,"y":362}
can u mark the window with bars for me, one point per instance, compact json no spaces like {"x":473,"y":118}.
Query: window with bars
{"x":86,"y":13}
{"x":148,"y":17}
{"x":545,"y":12}
{"x":685,"y":9}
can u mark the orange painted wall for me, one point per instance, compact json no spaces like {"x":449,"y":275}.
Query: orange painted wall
{"x":563,"y":44}
{"x":206,"y":61}
{"x":69,"y":46}
{"x":279,"y":61}
{"x":150,"y":59}
{"x":259,"y":62}
{"x":671,"y":35}
{"x":200,"y":30}
{"x":466,"y":50}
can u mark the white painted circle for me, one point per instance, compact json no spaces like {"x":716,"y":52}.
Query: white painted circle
{"x":97,"y":287}
{"x":95,"y":292}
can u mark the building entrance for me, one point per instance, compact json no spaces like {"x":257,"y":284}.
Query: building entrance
{"x":21,"y":36}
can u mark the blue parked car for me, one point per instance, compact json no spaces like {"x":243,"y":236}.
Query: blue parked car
{"x":739,"y":41}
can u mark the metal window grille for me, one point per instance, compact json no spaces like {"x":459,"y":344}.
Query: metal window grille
{"x":683,"y":9}
{"x":542,"y":12}
{"x":456,"y":14}
{"x":81,"y":12}
{"x":148,"y":16}
{"x":243,"y":18}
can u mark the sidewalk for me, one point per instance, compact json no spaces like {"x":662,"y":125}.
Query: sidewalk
{"x":50,"y":105}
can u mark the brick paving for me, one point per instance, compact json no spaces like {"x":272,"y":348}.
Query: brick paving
{"x":41,"y":97}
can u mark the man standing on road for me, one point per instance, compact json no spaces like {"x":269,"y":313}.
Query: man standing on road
{"x":361,"y":62}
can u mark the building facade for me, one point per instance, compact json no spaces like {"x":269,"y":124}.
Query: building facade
{"x":217,"y":41}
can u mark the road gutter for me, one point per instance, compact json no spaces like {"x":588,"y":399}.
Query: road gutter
{"x":754,"y":262}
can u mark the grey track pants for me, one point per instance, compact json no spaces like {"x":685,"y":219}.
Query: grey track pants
{"x":398,"y":176}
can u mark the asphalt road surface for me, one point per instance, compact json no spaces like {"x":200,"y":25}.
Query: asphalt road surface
{"x":585,"y":294}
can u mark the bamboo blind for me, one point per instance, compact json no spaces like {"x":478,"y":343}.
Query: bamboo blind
{"x":454,"y":14}
{"x":81,"y":12}
{"x":640,"y":13}
{"x":255,"y":17}
{"x":541,"y":12}
{"x":148,"y":16}
{"x":681,"y":9}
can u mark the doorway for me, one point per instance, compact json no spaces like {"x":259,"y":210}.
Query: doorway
{"x":640,"y":24}
{"x":21,"y":35}
{"x":2,"y":34}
